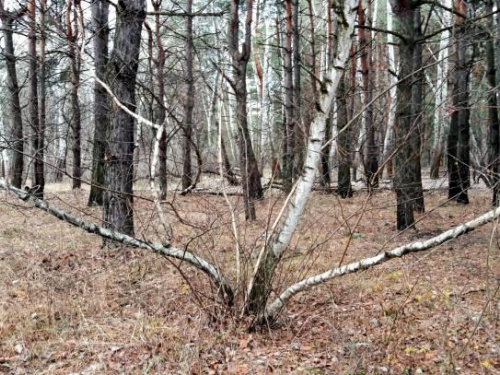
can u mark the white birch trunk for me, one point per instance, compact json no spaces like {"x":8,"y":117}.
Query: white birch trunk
{"x":165,"y":249}
{"x":274,"y":308}
{"x":298,"y":197}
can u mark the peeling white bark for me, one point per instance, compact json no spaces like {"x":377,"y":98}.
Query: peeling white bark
{"x":298,"y":197}
{"x":274,"y":308}
{"x":165,"y":249}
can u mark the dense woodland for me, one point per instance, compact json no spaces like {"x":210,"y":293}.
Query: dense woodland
{"x":257,"y":104}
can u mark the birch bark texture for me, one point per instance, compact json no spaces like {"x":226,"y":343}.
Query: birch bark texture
{"x":261,"y":283}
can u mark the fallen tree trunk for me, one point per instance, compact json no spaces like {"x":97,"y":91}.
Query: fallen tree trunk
{"x":166,"y":250}
{"x":275,"y":307}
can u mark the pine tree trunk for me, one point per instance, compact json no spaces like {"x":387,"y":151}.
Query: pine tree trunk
{"x":459,"y":134}
{"x":344,"y":147}
{"x":100,"y":12}
{"x":250,"y":176}
{"x":493,"y":120}
{"x":404,"y":173}
{"x":15,"y":113}
{"x":122,"y":73}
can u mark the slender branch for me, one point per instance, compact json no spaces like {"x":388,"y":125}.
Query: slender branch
{"x":165,"y":249}
{"x":380,"y":30}
{"x":275,"y":307}
{"x":185,"y":14}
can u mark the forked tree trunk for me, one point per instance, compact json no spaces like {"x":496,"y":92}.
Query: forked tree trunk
{"x":14,"y":112}
{"x":261,"y":284}
{"x":122,"y":72}
{"x":250,"y":176}
{"x":100,"y":12}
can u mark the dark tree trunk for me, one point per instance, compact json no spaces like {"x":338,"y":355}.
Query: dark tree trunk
{"x":344,"y":147}
{"x":325,"y":156}
{"x":187,"y":178}
{"x":100,"y":11}
{"x":38,"y":139}
{"x":250,"y":176}
{"x":404,"y":176}
{"x":459,"y":134}
{"x":417,"y":123}
{"x":289,"y":128}
{"x":371,"y":160}
{"x":15,"y":113}
{"x":76,"y":122}
{"x":493,"y":120}
{"x":122,"y":73}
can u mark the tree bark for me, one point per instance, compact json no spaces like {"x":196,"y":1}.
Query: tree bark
{"x":187,"y":178}
{"x":344,"y":147}
{"x":15,"y":113}
{"x":459,"y":135}
{"x":100,"y":12}
{"x":417,"y":123}
{"x":289,"y":128}
{"x":250,"y":176}
{"x":493,"y":120}
{"x":371,"y":159}
{"x":405,"y":149}
{"x":39,"y":131}
{"x":261,"y":284}
{"x":76,"y":122}
{"x":122,"y":72}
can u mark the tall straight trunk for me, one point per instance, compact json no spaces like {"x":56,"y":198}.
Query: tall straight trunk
{"x":289,"y":128}
{"x":441,"y":122}
{"x":160,"y":110}
{"x":391,"y":98}
{"x":39,"y":132}
{"x":325,"y":156}
{"x":100,"y":12}
{"x":299,"y":131}
{"x":493,"y":120}
{"x":43,"y":68}
{"x":76,"y":122}
{"x":344,"y":147}
{"x":371,"y":157}
{"x":459,"y":135}
{"x":187,"y":178}
{"x":14,"y":113}
{"x":250,"y":176}
{"x":405,"y":149}
{"x":417,"y":123}
{"x":122,"y":68}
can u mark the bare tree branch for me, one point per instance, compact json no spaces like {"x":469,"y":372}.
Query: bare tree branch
{"x":166,"y":249}
{"x":275,"y":307}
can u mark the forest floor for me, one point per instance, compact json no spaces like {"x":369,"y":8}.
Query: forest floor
{"x":69,"y":306}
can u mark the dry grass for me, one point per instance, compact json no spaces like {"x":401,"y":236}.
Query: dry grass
{"x":69,"y":306}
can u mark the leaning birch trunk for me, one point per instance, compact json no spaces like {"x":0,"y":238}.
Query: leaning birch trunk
{"x":275,"y":307}
{"x":260,"y":285}
{"x":164,"y":249}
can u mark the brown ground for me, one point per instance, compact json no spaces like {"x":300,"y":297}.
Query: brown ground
{"x":69,"y":306}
